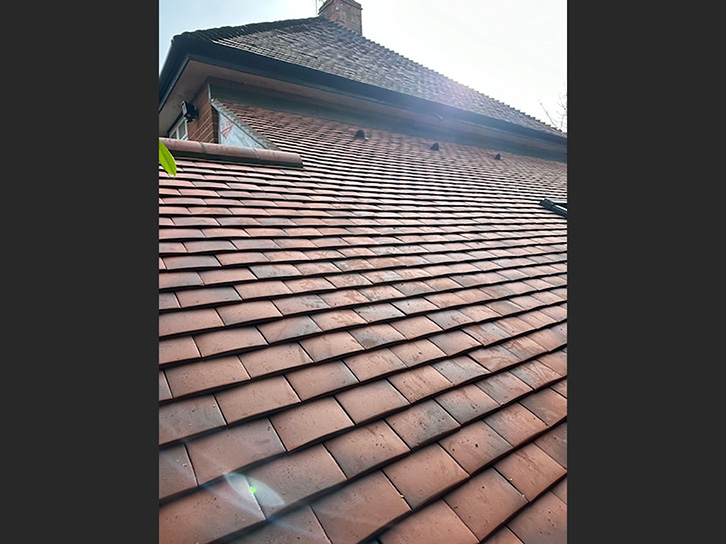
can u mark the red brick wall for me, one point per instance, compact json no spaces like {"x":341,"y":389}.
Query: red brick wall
{"x":204,"y":128}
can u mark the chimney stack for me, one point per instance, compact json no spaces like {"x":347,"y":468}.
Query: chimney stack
{"x":343,"y":12}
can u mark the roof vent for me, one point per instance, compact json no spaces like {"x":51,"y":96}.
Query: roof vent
{"x":343,"y":12}
{"x":435,"y":147}
{"x":498,"y":157}
{"x":360,"y":134}
{"x":557,"y":206}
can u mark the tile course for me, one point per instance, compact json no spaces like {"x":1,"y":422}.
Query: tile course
{"x":347,"y":318}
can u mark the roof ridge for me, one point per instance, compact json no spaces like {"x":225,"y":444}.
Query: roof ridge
{"x":230,"y":153}
{"x":229,"y":31}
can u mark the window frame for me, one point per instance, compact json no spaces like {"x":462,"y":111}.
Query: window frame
{"x":175,"y":131}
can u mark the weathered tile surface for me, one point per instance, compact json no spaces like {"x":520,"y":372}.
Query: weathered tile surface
{"x":349,"y":349}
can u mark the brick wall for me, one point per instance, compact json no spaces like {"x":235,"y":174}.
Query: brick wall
{"x":204,"y":128}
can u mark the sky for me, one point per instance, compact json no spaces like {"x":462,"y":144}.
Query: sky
{"x":514,"y":51}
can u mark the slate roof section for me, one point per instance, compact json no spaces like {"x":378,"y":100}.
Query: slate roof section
{"x":328,"y":47}
{"x":331,"y":331}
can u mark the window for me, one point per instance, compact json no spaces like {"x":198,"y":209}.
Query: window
{"x":179,"y":132}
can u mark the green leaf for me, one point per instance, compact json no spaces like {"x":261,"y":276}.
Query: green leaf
{"x":166,"y":160}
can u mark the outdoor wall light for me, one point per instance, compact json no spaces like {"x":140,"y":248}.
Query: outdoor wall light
{"x":189,"y":111}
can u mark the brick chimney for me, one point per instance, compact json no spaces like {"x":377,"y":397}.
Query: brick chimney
{"x":343,"y":12}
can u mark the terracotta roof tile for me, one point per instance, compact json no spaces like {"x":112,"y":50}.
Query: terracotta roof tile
{"x":414,"y":305}
{"x":366,"y":448}
{"x":485,"y":502}
{"x":548,"y":339}
{"x":233,"y":448}
{"x":548,"y":405}
{"x":530,"y":470}
{"x":447,"y":319}
{"x":535,"y":374}
{"x":317,"y":380}
{"x":378,"y":309}
{"x":556,"y":312}
{"x":207,"y":295}
{"x":287,"y":481}
{"x":173,"y":350}
{"x":344,"y":297}
{"x":433,"y":524}
{"x":297,"y":527}
{"x":210,"y":513}
{"x":204,"y":375}
{"x":331,"y":345}
{"x":418,"y":383}
{"x":560,"y":490}
{"x":416,"y":352}
{"x":536,"y":319}
{"x":247,"y":312}
{"x":374,"y":364}
{"x":426,"y":473}
{"x":256,"y":398}
{"x":415,"y":327}
{"x":337,"y":319}
{"x":554,"y":443}
{"x":376,"y":335}
{"x":228,"y":340}
{"x":168,"y":301}
{"x":467,"y":403}
{"x":515,"y":424}
{"x":175,"y":471}
{"x":475,"y":446}
{"x":360,"y":509}
{"x":487,"y":333}
{"x":422,"y":423}
{"x":164,"y":391}
{"x":274,"y":359}
{"x":288,"y":328}
{"x":543,"y":522}
{"x":378,"y":312}
{"x":460,"y":369}
{"x":522,"y":347}
{"x":261,"y":289}
{"x":454,"y":342}
{"x":188,"y":417}
{"x":561,"y":388}
{"x":314,"y":420}
{"x":504,"y":387}
{"x":377,"y":293}
{"x":557,"y":361}
{"x":300,"y":304}
{"x":371,"y":400}
{"x":188,"y":321}
{"x":503,"y":536}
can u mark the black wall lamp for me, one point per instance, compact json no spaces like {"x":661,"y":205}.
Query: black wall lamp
{"x":189,"y":111}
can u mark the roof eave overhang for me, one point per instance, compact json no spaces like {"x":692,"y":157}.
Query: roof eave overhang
{"x":185,"y":48}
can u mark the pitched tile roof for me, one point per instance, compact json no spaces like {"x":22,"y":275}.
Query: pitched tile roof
{"x":371,"y":344}
{"x":328,"y":47}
